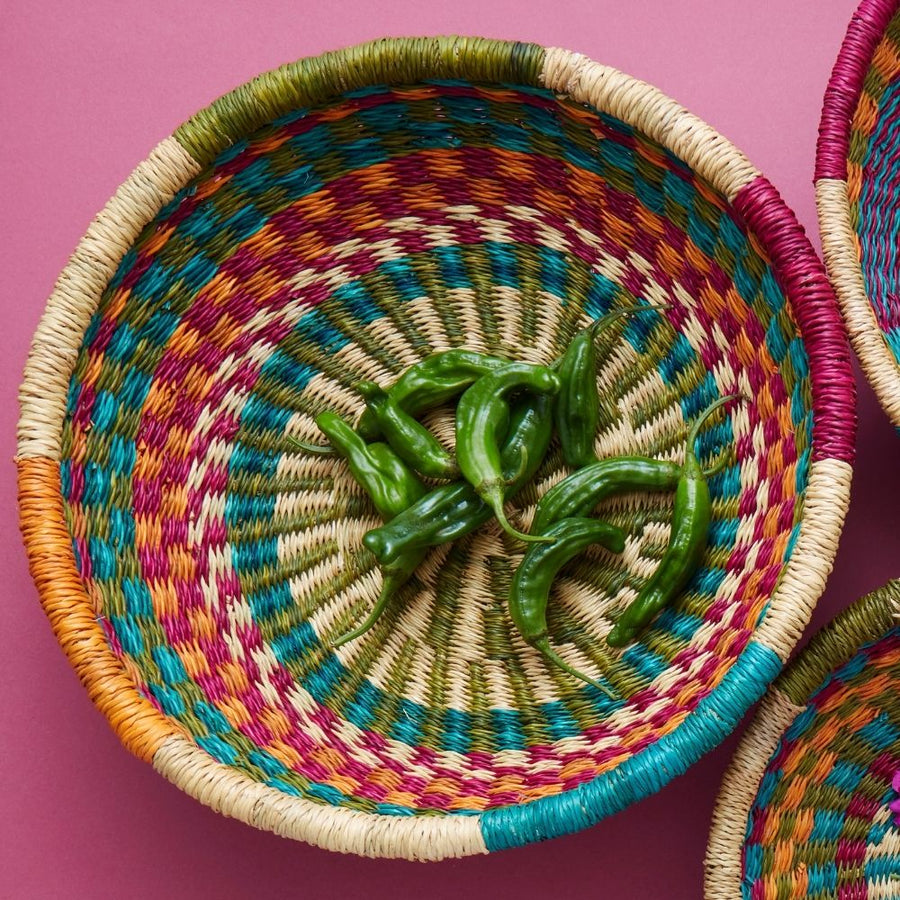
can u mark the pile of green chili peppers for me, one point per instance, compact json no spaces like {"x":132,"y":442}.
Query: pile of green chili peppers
{"x":506,"y":416}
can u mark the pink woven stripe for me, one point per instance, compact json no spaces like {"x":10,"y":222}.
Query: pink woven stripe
{"x":842,"y":94}
{"x":804,"y":281}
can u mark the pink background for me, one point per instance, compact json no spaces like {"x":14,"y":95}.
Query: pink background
{"x":86,"y":89}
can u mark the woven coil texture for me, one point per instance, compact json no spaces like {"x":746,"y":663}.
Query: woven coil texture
{"x":804,"y":809}
{"x":340,"y":219}
{"x":857,"y":171}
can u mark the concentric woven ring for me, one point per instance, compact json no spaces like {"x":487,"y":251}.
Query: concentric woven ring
{"x":804,"y":808}
{"x":339,"y":218}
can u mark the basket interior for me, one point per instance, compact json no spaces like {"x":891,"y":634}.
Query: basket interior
{"x":348,"y":241}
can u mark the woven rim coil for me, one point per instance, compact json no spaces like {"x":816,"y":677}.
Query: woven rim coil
{"x":857,"y":172}
{"x":340,"y":218}
{"x":804,"y":807}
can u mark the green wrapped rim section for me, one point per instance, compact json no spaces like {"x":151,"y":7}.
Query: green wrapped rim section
{"x":865,"y":621}
{"x":314,"y":80}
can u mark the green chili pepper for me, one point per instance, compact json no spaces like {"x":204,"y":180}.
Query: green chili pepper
{"x":530,"y":589}
{"x":452,"y":511}
{"x":690,"y":523}
{"x":477,"y":449}
{"x":578,"y":403}
{"x":435,"y":380}
{"x":527,"y":439}
{"x":409,"y":439}
{"x":581,"y":491}
{"x":376,"y":467}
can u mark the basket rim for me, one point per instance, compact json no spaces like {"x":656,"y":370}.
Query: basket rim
{"x":839,"y":243}
{"x":153,"y":737}
{"x":836,"y":643}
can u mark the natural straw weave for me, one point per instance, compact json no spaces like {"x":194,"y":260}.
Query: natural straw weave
{"x":803,"y":810}
{"x":857,"y":184}
{"x":342,"y":217}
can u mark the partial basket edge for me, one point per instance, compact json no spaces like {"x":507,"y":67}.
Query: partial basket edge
{"x":416,"y":838}
{"x":839,"y":244}
{"x":831,"y":647}
{"x":804,"y":577}
{"x":651,"y":111}
{"x":139,"y":725}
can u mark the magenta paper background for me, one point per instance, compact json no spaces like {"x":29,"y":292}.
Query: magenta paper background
{"x":87,"y":87}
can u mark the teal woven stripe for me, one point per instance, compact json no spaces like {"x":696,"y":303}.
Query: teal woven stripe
{"x":643,"y":774}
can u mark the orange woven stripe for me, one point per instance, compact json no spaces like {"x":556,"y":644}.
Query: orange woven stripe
{"x":139,"y":725}
{"x":885,"y":60}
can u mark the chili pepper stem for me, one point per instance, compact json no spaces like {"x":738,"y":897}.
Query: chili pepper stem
{"x":694,"y":433}
{"x":318,"y":449}
{"x":605,"y":320}
{"x":370,"y":619}
{"x":542,"y":644}
{"x":725,"y":458}
{"x":494,"y":498}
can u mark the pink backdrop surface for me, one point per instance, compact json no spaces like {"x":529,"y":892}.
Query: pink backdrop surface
{"x":86,"y":89}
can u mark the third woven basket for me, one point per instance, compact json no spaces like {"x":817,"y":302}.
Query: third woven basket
{"x":339,"y":219}
{"x":805,"y":808}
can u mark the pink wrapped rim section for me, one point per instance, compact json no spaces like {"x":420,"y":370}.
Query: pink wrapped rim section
{"x":805,"y":281}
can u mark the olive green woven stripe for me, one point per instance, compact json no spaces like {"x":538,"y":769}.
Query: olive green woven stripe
{"x":317,"y":79}
{"x":861,"y":623}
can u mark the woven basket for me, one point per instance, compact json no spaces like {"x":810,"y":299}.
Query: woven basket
{"x":341,"y":217}
{"x":803,"y":810}
{"x":857,"y":176}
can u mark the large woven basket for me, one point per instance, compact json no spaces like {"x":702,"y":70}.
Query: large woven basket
{"x":804,"y":809}
{"x":857,"y":183}
{"x":341,"y":217}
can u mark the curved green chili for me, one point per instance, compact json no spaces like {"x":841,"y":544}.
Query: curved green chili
{"x":390,"y":484}
{"x":690,"y":523}
{"x":480,"y":409}
{"x":409,"y":439}
{"x":578,"y":402}
{"x":530,"y":589}
{"x":434,"y":380}
{"x":580,"y":492}
{"x":452,"y":511}
{"x":441,"y":377}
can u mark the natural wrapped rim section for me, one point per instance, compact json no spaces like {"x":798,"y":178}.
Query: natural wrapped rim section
{"x":44,"y":407}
